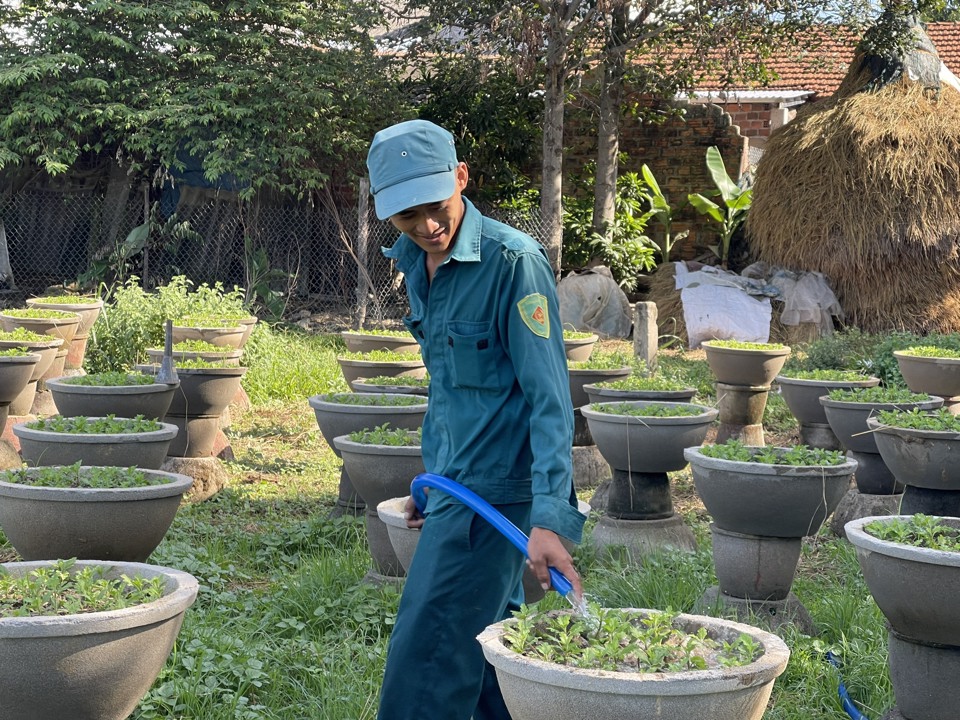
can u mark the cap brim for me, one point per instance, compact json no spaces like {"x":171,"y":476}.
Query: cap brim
{"x":413,"y":192}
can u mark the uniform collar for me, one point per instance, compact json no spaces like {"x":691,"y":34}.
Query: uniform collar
{"x":465,"y":249}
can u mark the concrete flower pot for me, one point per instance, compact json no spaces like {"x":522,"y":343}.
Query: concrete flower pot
{"x":95,"y":666}
{"x":848,"y":420}
{"x":64,"y":328}
{"x":46,"y":349}
{"x":579,"y":377}
{"x":379,"y":473}
{"x":146,"y":450}
{"x":537,"y":690}
{"x":598,"y":394}
{"x":922,"y":458}
{"x":88,"y":312}
{"x":579,"y":349}
{"x":773,"y":500}
{"x":365,"y":386}
{"x":803,"y":396}
{"x":125,"y":524}
{"x":647,"y":444}
{"x":227,"y":356}
{"x":930,"y":375}
{"x":151,"y":401}
{"x":356,"y":369}
{"x":228,"y":337}
{"x":15,"y":373}
{"x":750,"y":367}
{"x":368,"y":342}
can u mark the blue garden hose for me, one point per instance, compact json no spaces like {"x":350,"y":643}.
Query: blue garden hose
{"x":845,"y":700}
{"x":489,"y":513}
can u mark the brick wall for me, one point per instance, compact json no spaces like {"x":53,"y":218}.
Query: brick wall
{"x":676,"y":153}
{"x":753,"y":119}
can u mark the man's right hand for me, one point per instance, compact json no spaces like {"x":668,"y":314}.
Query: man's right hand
{"x":412,"y":515}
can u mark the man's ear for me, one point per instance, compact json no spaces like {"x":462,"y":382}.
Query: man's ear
{"x":462,"y":176}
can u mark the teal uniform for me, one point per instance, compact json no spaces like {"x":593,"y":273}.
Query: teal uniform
{"x":500,"y":422}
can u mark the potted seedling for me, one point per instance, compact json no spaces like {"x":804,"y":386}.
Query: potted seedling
{"x":764,"y":501}
{"x":930,"y":370}
{"x":911,"y":564}
{"x":85,"y":638}
{"x":376,"y":363}
{"x":752,"y":364}
{"x":601,"y":367}
{"x":221,"y":330}
{"x":632,"y":663}
{"x":119,"y":393}
{"x":397,"y":384}
{"x":343,"y":413}
{"x":55,"y":323}
{"x":87,"y":307}
{"x":198,"y":350}
{"x":802,"y":390}
{"x":110,"y":440}
{"x":364,"y":341}
{"x":920,"y":448}
{"x":94,"y":513}
{"x":206,"y":389}
{"x":640,"y":387}
{"x":381,"y":461}
{"x":578,"y":345}
{"x":16,"y":368}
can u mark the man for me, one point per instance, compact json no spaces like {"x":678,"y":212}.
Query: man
{"x":483,"y":307}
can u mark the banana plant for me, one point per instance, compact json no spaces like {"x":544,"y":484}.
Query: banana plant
{"x":661,"y":210}
{"x":736,"y":203}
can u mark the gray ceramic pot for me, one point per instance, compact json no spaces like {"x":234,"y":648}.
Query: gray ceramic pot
{"x":126,"y":524}
{"x":340,"y":418}
{"x":753,"y":368}
{"x":921,"y":458}
{"x":369,"y":342}
{"x":598,"y":394}
{"x":579,"y":377}
{"x":537,"y":690}
{"x":848,"y":420}
{"x":151,"y":401}
{"x":803,"y":396}
{"x":761,"y":499}
{"x":934,"y":376}
{"x":146,"y":450}
{"x":95,"y":666}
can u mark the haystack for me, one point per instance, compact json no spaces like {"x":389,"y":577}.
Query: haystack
{"x":865,"y":188}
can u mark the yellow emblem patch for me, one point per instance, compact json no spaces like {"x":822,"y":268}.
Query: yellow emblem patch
{"x":533,"y":311}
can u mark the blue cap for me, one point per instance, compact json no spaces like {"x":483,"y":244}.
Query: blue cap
{"x":411,"y":163}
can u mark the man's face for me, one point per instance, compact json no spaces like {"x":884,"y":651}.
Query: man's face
{"x":433,"y":226}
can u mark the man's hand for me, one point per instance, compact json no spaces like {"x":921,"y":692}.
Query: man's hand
{"x":544,"y":550}
{"x":412,"y":515}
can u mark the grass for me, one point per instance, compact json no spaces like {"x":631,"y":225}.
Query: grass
{"x":285,"y":628}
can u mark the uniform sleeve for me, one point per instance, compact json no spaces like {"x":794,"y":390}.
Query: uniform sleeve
{"x":530,"y":324}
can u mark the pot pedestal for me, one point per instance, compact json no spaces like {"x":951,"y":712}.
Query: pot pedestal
{"x":873,"y":476}
{"x":741,"y":413}
{"x":349,"y":501}
{"x":819,"y":435}
{"x":773,"y":613}
{"x":589,"y":467}
{"x":639,"y":516}
{"x":856,"y":504}
{"x":928,"y":501}
{"x":923,"y":678}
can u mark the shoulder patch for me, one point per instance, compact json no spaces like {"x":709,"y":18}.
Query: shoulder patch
{"x":533,"y":311}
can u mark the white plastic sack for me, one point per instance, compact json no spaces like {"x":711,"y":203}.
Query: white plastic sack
{"x":591,"y":301}
{"x":719,"y":312}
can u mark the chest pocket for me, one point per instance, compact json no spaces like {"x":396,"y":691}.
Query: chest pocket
{"x":474,"y":355}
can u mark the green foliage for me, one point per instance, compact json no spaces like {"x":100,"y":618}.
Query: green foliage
{"x":379,"y":332}
{"x":798,"y":455}
{"x":198,"y":363}
{"x":373,"y":399}
{"x":651,"y":410}
{"x":661,"y":210}
{"x":35,"y":313}
{"x":156,"y":84}
{"x":826,"y":375}
{"x":65,"y":300}
{"x":389,"y":436}
{"x":109,"y":379}
{"x":620,"y":641}
{"x":73,"y":476}
{"x":624,"y":246}
{"x":381,"y":356}
{"x":210,"y":320}
{"x":735,"y":203}
{"x":918,"y":530}
{"x":14,"y":352}
{"x":82,"y":425}
{"x":495,"y":116}
{"x":132,"y":319}
{"x":939,"y":420}
{"x":24,"y":335}
{"x":61,"y":588}
{"x":930,"y":351}
{"x":574,"y":335}
{"x":741,"y":345}
{"x":602,"y":361}
{"x":198,"y":346}
{"x":640,"y":382}
{"x":877,"y":395}
{"x":399,"y":381}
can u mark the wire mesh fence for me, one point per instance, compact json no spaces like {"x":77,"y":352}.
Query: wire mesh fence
{"x":318,"y":257}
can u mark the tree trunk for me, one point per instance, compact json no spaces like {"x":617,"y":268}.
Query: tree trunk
{"x":551,"y":191}
{"x":608,"y":136}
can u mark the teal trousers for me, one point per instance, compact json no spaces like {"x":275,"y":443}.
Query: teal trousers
{"x":464,"y":576}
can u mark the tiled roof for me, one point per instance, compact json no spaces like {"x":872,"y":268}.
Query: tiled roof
{"x":822,"y":70}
